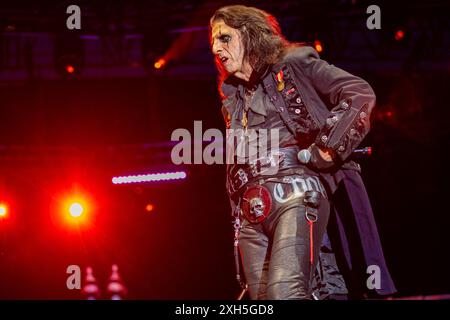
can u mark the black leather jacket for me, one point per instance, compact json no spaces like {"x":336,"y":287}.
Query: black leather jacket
{"x":338,"y":103}
{"x":338,"y":107}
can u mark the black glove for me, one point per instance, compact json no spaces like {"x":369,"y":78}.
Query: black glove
{"x":317,"y":162}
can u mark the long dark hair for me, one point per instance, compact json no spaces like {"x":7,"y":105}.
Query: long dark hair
{"x":261,"y":35}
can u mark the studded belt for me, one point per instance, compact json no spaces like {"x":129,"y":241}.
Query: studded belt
{"x":263,"y":167}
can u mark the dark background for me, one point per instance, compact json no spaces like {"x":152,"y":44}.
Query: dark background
{"x":115,"y":116}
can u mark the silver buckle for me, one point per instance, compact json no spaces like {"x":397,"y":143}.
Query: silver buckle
{"x":242,"y":175}
{"x":264,"y":164}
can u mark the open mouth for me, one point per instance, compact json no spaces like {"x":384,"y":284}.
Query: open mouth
{"x":223,"y":60}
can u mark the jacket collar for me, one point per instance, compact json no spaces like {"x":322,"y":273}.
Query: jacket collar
{"x":232,"y":85}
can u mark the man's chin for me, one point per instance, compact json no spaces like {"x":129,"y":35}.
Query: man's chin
{"x":230,"y":71}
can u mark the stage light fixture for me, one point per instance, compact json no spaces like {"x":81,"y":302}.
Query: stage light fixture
{"x":3,"y":211}
{"x":69,"y":65}
{"x":69,"y":55}
{"x":76,"y":209}
{"x":399,"y":35}
{"x":160,"y":63}
{"x":318,"y":46}
{"x":152,"y":177}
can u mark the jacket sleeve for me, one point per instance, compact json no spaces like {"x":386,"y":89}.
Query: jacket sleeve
{"x":227,"y":118}
{"x":350,"y":98}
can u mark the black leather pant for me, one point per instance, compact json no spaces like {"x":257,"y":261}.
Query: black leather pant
{"x":276,"y":253}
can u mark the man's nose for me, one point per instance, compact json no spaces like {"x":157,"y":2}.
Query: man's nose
{"x":216,"y":48}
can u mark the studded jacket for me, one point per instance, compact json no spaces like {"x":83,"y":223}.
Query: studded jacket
{"x":326,"y":101}
{"x":332,"y":109}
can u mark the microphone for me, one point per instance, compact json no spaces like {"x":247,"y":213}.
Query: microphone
{"x":304,"y":155}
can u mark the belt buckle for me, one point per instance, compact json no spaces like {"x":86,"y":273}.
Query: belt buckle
{"x":256,"y":203}
{"x":273,"y":162}
{"x":240,"y":178}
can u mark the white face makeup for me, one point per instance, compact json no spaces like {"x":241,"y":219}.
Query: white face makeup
{"x":228,"y":48}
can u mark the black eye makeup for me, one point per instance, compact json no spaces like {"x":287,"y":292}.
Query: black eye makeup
{"x":225,"y":38}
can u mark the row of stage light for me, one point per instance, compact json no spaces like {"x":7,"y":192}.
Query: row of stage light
{"x":76,"y":206}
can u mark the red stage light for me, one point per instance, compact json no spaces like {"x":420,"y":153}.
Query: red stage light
{"x":318,"y":46}
{"x":70,"y":69}
{"x":3,"y":211}
{"x":149,"y":207}
{"x":399,"y":35}
{"x":160,"y":63}
{"x":76,"y":210}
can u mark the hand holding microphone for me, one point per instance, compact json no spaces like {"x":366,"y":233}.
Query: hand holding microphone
{"x":316,"y":157}
{"x":320,"y":159}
